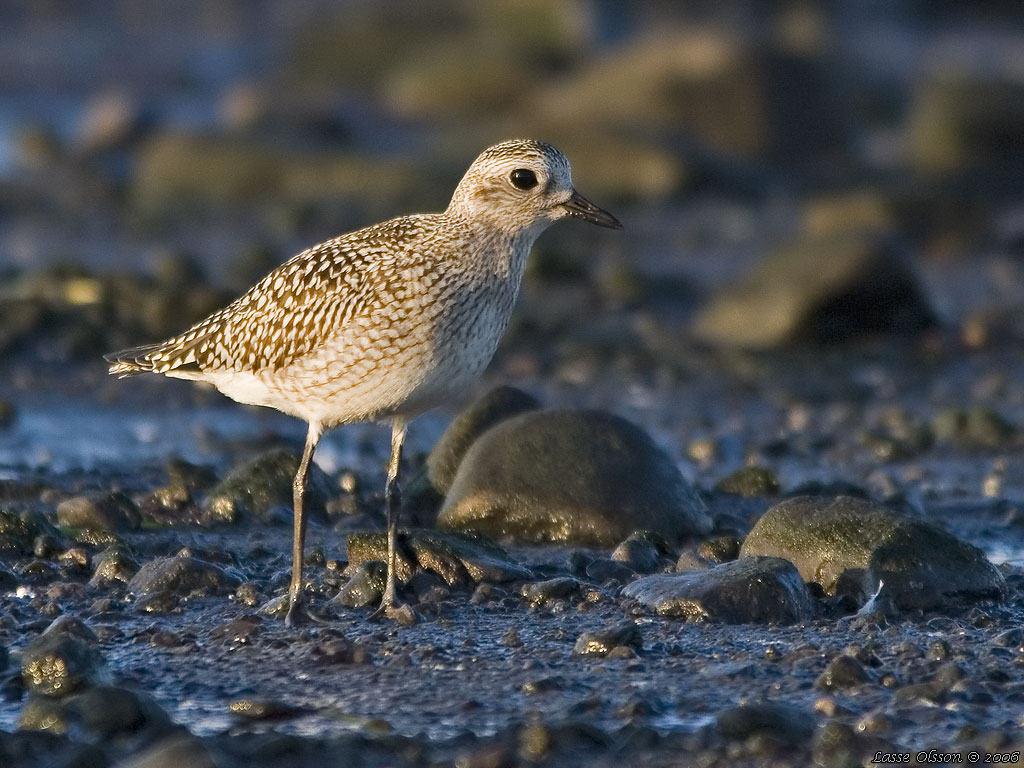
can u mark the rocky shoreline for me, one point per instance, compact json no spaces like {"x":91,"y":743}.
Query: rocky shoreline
{"x":744,"y":625}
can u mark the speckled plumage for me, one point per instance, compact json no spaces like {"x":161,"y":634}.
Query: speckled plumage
{"x":388,"y":321}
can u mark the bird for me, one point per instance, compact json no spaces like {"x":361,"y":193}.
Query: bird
{"x":383,"y":323}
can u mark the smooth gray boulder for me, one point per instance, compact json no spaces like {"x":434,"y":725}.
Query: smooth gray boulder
{"x":425,"y":492}
{"x":921,"y":566}
{"x":578,"y":476}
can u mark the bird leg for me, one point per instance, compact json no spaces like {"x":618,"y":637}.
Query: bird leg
{"x":393,"y":503}
{"x":296,"y":613}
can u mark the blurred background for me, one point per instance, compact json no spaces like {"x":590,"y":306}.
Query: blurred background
{"x":787,"y":171}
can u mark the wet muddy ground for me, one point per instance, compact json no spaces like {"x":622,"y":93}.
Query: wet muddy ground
{"x":479,"y":671}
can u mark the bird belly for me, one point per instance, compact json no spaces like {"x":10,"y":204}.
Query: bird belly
{"x":388,"y":363}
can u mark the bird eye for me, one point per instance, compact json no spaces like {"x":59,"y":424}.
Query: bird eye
{"x":523,"y":178}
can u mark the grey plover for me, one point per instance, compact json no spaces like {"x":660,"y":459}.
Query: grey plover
{"x":383,"y":323}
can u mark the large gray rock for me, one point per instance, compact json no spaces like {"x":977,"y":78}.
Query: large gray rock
{"x":424,"y":493}
{"x":585,"y":477}
{"x":920,"y":565}
{"x":762,"y":590}
{"x":819,"y":289}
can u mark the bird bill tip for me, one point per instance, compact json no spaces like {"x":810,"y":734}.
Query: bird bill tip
{"x":579,"y":207}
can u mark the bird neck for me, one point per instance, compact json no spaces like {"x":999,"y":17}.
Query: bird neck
{"x":501,"y":252}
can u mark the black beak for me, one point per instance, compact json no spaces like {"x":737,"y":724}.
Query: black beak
{"x":580,"y":207}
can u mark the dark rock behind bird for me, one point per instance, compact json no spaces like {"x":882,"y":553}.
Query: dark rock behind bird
{"x":578,"y":476}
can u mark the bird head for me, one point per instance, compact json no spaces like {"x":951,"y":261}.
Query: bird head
{"x":523,"y":186}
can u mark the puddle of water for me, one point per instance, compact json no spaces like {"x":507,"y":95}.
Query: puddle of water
{"x":67,"y":436}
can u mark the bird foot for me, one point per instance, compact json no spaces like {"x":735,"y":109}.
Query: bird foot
{"x":295,"y":612}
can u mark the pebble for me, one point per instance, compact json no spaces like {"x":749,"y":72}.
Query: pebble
{"x":181,"y":576}
{"x":114,"y":565}
{"x":459,"y":559}
{"x":784,"y":723}
{"x":20,"y":527}
{"x":750,"y":481}
{"x":104,"y":512}
{"x":552,"y":590}
{"x":604,"y":642}
{"x":842,"y":672}
{"x":638,"y":553}
{"x":365,"y":586}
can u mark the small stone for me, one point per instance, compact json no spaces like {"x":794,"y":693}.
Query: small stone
{"x":692,"y":561}
{"x":819,"y":289}
{"x":975,"y":428}
{"x":181,"y":576}
{"x":20,"y":527}
{"x":106,"y":711}
{"x":265,"y":482}
{"x":458,"y":558}
{"x":240,"y":631}
{"x":249,"y":594}
{"x":114,"y":565}
{"x":511,"y":638}
{"x":541,"y":685}
{"x":365,"y":586}
{"x":194,"y":477}
{"x":938,"y":650}
{"x":784,"y":723}
{"x":842,"y":672}
{"x":638,"y":553}
{"x":601,"y":643}
{"x":921,"y":566}
{"x":750,"y":481}
{"x":336,"y":650}
{"x":545,"y":592}
{"x":837,"y":745}
{"x":485,"y":594}
{"x":105,"y":512}
{"x":43,"y":713}
{"x":720,"y":549}
{"x":159,"y":602}
{"x":264,"y":709}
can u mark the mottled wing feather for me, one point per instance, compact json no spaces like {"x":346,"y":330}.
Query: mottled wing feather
{"x":290,"y":312}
